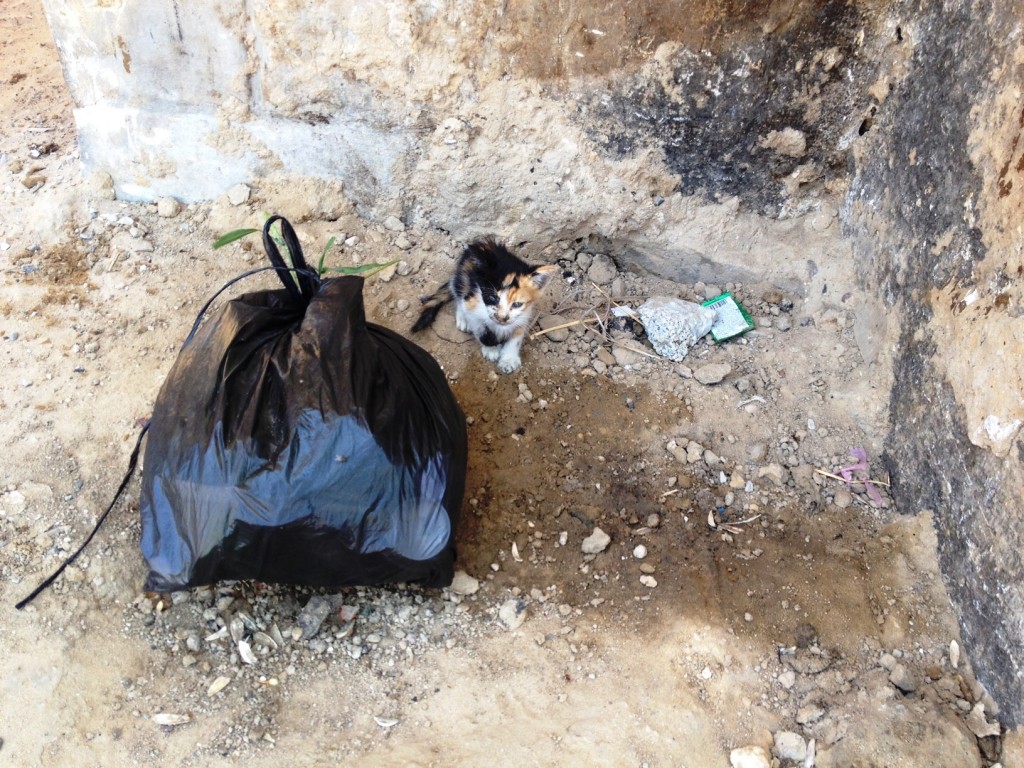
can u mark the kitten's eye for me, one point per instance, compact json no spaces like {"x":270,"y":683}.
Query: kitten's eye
{"x":490,"y":299}
{"x":517,"y":304}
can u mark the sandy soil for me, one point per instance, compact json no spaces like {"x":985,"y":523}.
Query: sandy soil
{"x":822,"y":619}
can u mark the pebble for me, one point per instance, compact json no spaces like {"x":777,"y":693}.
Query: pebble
{"x":625,"y":356}
{"x":843,"y":498}
{"x":312,"y":616}
{"x":750,"y":757}
{"x":550,"y":321}
{"x":979,"y":725}
{"x":602,"y":270}
{"x":774,"y":472}
{"x":596,"y":542}
{"x":403,"y":243}
{"x":783,"y":323}
{"x":238,"y":194}
{"x":648,"y":581}
{"x":757,"y":451}
{"x":903,"y":679}
{"x":394,"y":224}
{"x":647,"y":568}
{"x":787,"y":678}
{"x":790,"y":746}
{"x":464,"y":584}
{"x":167,"y":207}
{"x":639,"y":551}
{"x":512,"y":614}
{"x":606,"y":357}
{"x":811,"y":713}
{"x":352,"y":242}
{"x":402,"y":305}
{"x":712,"y":373}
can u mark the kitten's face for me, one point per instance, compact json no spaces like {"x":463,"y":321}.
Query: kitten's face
{"x":512,"y":303}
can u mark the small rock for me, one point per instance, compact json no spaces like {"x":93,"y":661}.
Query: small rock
{"x":783,"y":323}
{"x":312,"y":616}
{"x":811,"y":713}
{"x":101,"y":184}
{"x":843,"y":498}
{"x":596,"y":542}
{"x":774,"y":472}
{"x":239,"y":194}
{"x":605,"y":356}
{"x":403,"y":243}
{"x":903,"y":679}
{"x":464,"y":584}
{"x":394,"y":224}
{"x":167,"y":207}
{"x":647,"y":568}
{"x":602,"y":270}
{"x":790,"y":746}
{"x":712,"y":373}
{"x":750,"y":757}
{"x":979,"y":725}
{"x":954,"y":653}
{"x":218,"y":685}
{"x":512,"y":614}
{"x":640,"y":552}
{"x":648,"y":581}
{"x":787,"y":678}
{"x":402,"y":305}
{"x":626,"y":356}
{"x":551,"y":321}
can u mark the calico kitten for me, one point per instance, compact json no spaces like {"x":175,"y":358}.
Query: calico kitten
{"x":495,"y":294}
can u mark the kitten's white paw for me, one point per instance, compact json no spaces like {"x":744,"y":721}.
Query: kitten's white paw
{"x":509,"y":364}
{"x":491,"y":353}
{"x":461,"y":324}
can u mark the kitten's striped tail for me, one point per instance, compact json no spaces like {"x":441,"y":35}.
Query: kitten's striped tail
{"x":432,"y":305}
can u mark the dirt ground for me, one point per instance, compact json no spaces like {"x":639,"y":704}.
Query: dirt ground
{"x":813,"y":630}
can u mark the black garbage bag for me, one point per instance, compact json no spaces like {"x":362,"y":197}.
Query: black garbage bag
{"x":295,"y":442}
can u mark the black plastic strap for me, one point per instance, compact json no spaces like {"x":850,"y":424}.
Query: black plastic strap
{"x":307,"y":280}
{"x":281,"y":271}
{"x":132,"y":463}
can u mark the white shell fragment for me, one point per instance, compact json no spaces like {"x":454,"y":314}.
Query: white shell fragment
{"x":515,"y":553}
{"x":220,"y":634}
{"x":711,"y":521}
{"x":954,"y":653}
{"x":385,"y":722}
{"x":245,"y":652}
{"x":169,"y":719}
{"x":218,"y":685}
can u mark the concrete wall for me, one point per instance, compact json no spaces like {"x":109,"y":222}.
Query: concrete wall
{"x":703,"y":140}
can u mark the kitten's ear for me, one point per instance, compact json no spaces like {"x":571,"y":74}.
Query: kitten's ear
{"x":541,"y":276}
{"x":479,"y":253}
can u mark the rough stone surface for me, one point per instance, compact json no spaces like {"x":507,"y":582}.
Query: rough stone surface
{"x":949,"y":270}
{"x":789,"y":746}
{"x":712,"y":373}
{"x":750,"y":757}
{"x":596,"y":542}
